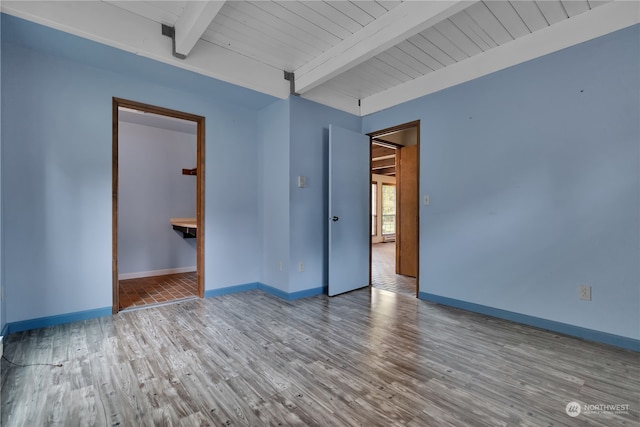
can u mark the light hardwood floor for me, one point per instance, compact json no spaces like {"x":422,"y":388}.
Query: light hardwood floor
{"x":383,"y":271}
{"x":368,"y":358}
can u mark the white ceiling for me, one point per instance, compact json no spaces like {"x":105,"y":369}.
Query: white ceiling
{"x":358,"y":56}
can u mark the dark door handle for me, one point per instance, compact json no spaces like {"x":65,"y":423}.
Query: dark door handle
{"x":334,"y":218}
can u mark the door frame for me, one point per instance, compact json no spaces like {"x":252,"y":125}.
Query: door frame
{"x":372,"y":136}
{"x":200,"y":161}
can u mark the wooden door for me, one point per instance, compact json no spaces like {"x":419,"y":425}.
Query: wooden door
{"x":407,"y":211}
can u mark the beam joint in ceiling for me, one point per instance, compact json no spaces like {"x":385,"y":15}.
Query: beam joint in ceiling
{"x":192,"y":23}
{"x":398,"y":24}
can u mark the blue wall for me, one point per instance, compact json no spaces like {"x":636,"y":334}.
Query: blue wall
{"x":309,"y":209}
{"x":295,"y":143}
{"x":2,"y":299}
{"x":533,"y":174}
{"x":56,"y":167}
{"x":152,"y":189}
{"x":274,"y":198}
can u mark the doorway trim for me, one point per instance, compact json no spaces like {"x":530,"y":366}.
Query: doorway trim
{"x":372,"y":136}
{"x":200,"y":161}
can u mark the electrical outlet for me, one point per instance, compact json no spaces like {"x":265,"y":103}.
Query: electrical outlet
{"x":280,"y":266}
{"x":585,"y":292}
{"x":301,"y":267}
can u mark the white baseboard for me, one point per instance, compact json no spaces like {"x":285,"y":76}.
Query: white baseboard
{"x":140,"y":274}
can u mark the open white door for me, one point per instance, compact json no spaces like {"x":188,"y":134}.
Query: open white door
{"x":349,"y":188}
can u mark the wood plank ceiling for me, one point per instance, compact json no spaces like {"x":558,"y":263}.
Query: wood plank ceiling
{"x":383,"y":160}
{"x":358,"y":56}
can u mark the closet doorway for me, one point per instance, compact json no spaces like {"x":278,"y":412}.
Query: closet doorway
{"x":395,"y":168}
{"x":147,"y":272}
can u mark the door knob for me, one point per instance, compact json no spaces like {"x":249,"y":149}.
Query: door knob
{"x":334,"y":218}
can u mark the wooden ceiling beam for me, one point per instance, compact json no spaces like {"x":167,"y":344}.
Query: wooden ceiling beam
{"x":192,"y":23}
{"x":386,"y":171}
{"x":383,"y":157}
{"x":400,"y":23}
{"x":383,"y":163}
{"x":380,"y":151}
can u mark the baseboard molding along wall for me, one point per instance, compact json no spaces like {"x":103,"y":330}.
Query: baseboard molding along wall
{"x":266,"y":288}
{"x":550,"y":325}
{"x":563,"y":328}
{"x":43,"y":322}
{"x":140,"y":274}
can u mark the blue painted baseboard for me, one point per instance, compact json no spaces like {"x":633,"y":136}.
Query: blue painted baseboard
{"x":230,"y":290}
{"x":43,"y":322}
{"x":273,"y":291}
{"x":266,"y":288}
{"x":551,"y":325}
{"x":293,"y":295}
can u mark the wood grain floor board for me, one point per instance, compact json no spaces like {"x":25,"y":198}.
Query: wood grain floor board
{"x":367,"y":358}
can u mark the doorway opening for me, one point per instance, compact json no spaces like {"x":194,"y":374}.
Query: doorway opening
{"x":394,"y":210}
{"x":148,"y":142}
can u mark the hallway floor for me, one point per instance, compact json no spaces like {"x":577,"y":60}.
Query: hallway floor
{"x":135,"y":293}
{"x":383,"y":271}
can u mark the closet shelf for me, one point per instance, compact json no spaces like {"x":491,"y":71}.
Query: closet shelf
{"x":187,"y":226}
